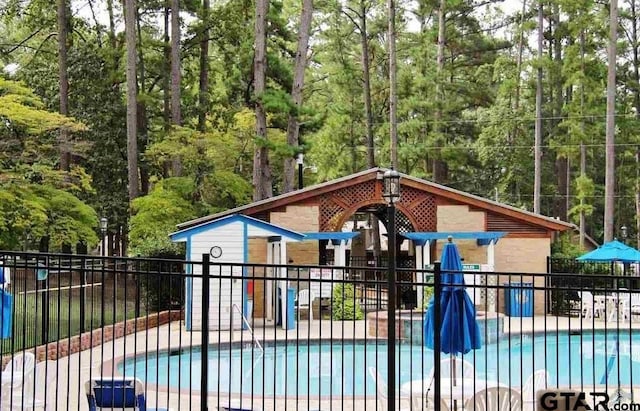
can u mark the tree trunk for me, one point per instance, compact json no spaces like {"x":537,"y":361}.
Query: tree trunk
{"x":176,"y":116}
{"x":538,"y":124}
{"x":393,"y":83}
{"x":112,"y":24}
{"x":610,"y":154}
{"x":636,"y":101}
{"x":142,"y":114}
{"x":371,"y":159}
{"x":132,"y":136}
{"x":296,"y":92}
{"x":166,"y":88}
{"x":583,"y":148}
{"x":203,"y":97}
{"x":516,"y":105}
{"x":63,"y":31}
{"x":175,"y":63}
{"x":439,"y":166}
{"x":562,"y":164}
{"x":261,"y":168}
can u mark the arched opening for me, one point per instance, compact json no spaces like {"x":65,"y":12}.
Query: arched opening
{"x":370,"y":248}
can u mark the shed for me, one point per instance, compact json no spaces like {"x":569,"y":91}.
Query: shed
{"x":226,"y":240}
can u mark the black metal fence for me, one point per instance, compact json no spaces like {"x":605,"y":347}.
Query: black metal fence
{"x":302,"y":337}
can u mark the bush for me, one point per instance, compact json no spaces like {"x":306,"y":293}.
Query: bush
{"x":345,"y":306}
{"x":427,"y":293}
{"x":162,"y":284}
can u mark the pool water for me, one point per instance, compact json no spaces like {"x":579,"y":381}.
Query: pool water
{"x":340,"y":367}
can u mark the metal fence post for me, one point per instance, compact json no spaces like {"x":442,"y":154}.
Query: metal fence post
{"x":391,"y":311}
{"x":437,"y":290}
{"x":204,"y":362}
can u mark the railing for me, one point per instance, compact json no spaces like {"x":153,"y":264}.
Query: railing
{"x":246,"y":323}
{"x":150,"y":327}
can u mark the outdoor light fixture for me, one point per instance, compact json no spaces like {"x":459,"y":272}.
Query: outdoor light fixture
{"x":103,"y":224}
{"x":391,"y":192}
{"x":300,"y":159}
{"x":623,"y":231}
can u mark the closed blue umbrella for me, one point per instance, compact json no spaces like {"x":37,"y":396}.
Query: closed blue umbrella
{"x":460,"y":332}
{"x":612,"y":251}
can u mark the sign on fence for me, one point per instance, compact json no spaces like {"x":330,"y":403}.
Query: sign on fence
{"x":323,"y":289}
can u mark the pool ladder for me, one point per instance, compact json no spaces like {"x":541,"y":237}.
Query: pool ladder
{"x":246,"y":322}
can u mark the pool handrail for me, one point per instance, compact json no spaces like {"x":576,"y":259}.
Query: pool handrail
{"x":246,"y":322}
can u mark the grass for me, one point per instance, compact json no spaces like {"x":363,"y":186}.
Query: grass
{"x":64,"y":317}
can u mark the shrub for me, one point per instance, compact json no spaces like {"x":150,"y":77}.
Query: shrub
{"x":427,"y":293}
{"x":345,"y":306}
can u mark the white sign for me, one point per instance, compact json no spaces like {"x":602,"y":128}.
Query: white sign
{"x":323,"y":289}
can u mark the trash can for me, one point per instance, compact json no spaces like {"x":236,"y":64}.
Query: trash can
{"x":519,"y":299}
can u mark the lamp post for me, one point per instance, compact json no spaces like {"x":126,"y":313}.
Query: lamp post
{"x":103,"y":229}
{"x":624,"y":232}
{"x":300,"y":162}
{"x":391,"y":194}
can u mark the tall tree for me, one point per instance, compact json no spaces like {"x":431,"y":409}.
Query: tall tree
{"x":610,"y":150}
{"x":261,"y":168}
{"x":366,"y":84}
{"x":176,"y":115}
{"x":537,"y":153}
{"x":393,"y":85}
{"x":63,"y":33}
{"x":132,"y":118}
{"x":293,"y":127}
{"x":203,"y":93}
{"x":439,"y":166}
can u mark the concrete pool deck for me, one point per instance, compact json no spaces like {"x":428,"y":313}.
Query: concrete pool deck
{"x":77,"y":368}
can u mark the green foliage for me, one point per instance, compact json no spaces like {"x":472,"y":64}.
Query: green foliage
{"x":426,"y":297}
{"x":38,"y":210}
{"x":345,"y":304}
{"x":156,"y":215}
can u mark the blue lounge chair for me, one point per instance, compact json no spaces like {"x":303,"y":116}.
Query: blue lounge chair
{"x":117,"y":393}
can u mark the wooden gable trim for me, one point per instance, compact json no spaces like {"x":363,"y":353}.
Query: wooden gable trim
{"x":453,"y":196}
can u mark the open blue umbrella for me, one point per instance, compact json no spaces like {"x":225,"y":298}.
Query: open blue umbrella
{"x":612,"y":251}
{"x":460,"y":332}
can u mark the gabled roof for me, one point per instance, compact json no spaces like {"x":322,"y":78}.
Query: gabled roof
{"x":293,"y":197}
{"x":275,"y":230}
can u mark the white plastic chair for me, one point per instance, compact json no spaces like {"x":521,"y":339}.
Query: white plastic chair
{"x":18,"y":379}
{"x":43,"y":396}
{"x":463,"y":369}
{"x":590,"y":308}
{"x":536,"y":382}
{"x":305,"y":301}
{"x":494,"y":399}
{"x":381,"y":388}
{"x":631,"y":306}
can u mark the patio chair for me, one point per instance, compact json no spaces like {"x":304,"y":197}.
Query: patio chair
{"x":382,"y":389}
{"x":305,"y":301}
{"x":43,"y":395}
{"x":117,"y":393}
{"x":494,"y":399}
{"x":17,"y":379}
{"x":536,"y":382}
{"x":631,"y":306}
{"x":590,"y":308}
{"x":463,"y":368}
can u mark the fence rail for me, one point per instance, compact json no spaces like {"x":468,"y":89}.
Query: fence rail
{"x":99,"y":319}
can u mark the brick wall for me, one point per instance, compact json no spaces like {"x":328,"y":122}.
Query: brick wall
{"x":459,"y":218}
{"x":90,"y":339}
{"x":523,"y":255}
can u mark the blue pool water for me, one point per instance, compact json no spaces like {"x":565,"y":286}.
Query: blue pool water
{"x":340,"y":368}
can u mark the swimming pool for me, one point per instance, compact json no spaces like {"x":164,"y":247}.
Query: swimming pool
{"x":321,"y":368}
